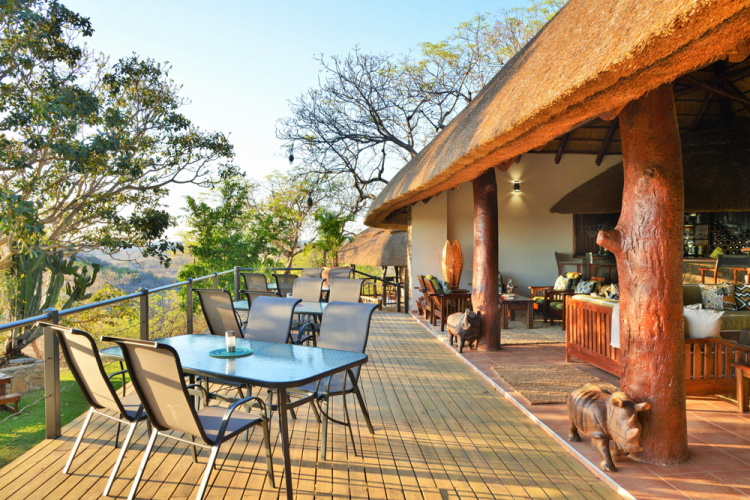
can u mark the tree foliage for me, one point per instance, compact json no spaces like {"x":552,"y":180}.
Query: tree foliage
{"x":372,"y":113}
{"x":87,"y":151}
{"x":331,"y":235}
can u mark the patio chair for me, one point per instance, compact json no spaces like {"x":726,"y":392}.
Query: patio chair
{"x":339,"y":273}
{"x":82,"y":357}
{"x":345,"y":327}
{"x":424,"y":308}
{"x":221,"y":317}
{"x":219,"y":312}
{"x":159,"y":380}
{"x":255,"y":282}
{"x":285,"y":283}
{"x":737,"y":263}
{"x":442,"y":305}
{"x":311,"y":272}
{"x":307,"y":289}
{"x":270,"y":319}
{"x":345,"y":290}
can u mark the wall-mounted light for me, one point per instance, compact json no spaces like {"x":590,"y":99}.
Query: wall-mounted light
{"x":516,"y":186}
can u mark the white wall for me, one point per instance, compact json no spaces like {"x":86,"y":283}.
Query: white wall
{"x":429,"y":230}
{"x":528,"y":233}
{"x":461,"y":226}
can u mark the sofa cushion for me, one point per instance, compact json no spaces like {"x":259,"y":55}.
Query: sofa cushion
{"x":718,"y":297}
{"x":742,"y":297}
{"x":561,"y":283}
{"x":587,"y":287}
{"x":702,"y":323}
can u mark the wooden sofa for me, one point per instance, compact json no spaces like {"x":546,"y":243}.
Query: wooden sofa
{"x":708,"y":361}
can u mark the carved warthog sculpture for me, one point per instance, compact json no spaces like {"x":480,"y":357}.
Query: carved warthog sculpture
{"x":465,"y":326}
{"x":610,"y":420}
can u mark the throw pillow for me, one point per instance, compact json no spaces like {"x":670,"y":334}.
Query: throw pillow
{"x":561,"y":283}
{"x":702,"y":323}
{"x":446,"y":287}
{"x":718,"y":297}
{"x":435,"y":283}
{"x":613,"y":292}
{"x":586,"y":287}
{"x":742,"y":297}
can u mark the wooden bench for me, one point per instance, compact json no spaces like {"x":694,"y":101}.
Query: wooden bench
{"x":7,"y":399}
{"x":709,"y":362}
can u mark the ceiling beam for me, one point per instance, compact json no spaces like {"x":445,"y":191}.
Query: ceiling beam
{"x":701,"y":112}
{"x":607,"y":140}
{"x":561,"y":148}
{"x":717,"y":91}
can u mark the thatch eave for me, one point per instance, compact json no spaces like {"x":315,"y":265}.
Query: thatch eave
{"x":630,"y":47}
{"x":376,"y":247}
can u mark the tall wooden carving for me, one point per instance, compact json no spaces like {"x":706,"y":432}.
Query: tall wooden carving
{"x":484,"y":279}
{"x":648,"y":245}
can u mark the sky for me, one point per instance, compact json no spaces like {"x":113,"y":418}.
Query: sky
{"x":240,"y":62}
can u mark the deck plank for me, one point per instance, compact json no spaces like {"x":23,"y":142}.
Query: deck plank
{"x":440,"y":432}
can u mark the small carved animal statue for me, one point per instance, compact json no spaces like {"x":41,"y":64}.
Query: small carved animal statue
{"x":465,"y":326}
{"x":610,"y":420}
{"x":422,"y":306}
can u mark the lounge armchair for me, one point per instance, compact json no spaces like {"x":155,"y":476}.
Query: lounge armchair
{"x":83,"y":359}
{"x":737,"y":263}
{"x":157,"y":375}
{"x":442,"y":305}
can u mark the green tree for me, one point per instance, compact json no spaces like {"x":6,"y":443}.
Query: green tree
{"x":87,"y":151}
{"x":372,"y":113}
{"x":331,"y":235}
{"x":226,"y":230}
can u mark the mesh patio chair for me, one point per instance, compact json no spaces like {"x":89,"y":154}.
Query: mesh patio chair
{"x":270,"y":319}
{"x":285,"y":283}
{"x":159,"y":380}
{"x":83,"y":359}
{"x":345,"y":290}
{"x":346,"y":327}
{"x":311,"y":272}
{"x":221,"y":317}
{"x":308,"y":289}
{"x":339,"y":273}
{"x":255,"y":282}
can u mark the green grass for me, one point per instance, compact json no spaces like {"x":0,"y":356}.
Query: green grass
{"x":22,"y":432}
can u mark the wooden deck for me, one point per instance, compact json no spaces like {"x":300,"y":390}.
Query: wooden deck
{"x":441,"y":431}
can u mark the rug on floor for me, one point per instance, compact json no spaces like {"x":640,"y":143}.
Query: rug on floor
{"x":547,"y":384}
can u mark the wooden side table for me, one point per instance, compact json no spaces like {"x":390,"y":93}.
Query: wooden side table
{"x":516,"y":303}
{"x":742,"y":372}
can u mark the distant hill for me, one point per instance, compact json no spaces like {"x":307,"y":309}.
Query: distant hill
{"x":130,"y":271}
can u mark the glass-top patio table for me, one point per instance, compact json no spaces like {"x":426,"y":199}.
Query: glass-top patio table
{"x":275,"y":366}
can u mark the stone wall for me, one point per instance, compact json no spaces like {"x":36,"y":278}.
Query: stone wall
{"x":28,"y":376}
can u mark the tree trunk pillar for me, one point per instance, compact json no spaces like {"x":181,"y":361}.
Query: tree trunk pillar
{"x":484,"y":279}
{"x":647,"y":243}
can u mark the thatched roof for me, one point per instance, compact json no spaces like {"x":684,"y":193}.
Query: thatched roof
{"x":591,"y":60}
{"x":716,"y":167}
{"x":376,"y":247}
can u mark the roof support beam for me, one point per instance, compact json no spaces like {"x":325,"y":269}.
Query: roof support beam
{"x":484,"y":269}
{"x":561,"y":148}
{"x":607,"y":140}
{"x":717,"y":91}
{"x":649,"y":264}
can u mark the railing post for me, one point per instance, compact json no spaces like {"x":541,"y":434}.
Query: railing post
{"x":236,"y":282}
{"x":144,"y":313}
{"x":406,"y":281}
{"x":52,"y":378}
{"x":189,"y":305}
{"x":216,"y":280}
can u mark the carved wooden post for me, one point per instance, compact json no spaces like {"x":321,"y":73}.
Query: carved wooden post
{"x":648,"y":245}
{"x":484,"y":279}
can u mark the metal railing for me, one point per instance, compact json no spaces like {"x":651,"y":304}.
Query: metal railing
{"x":52,"y":349}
